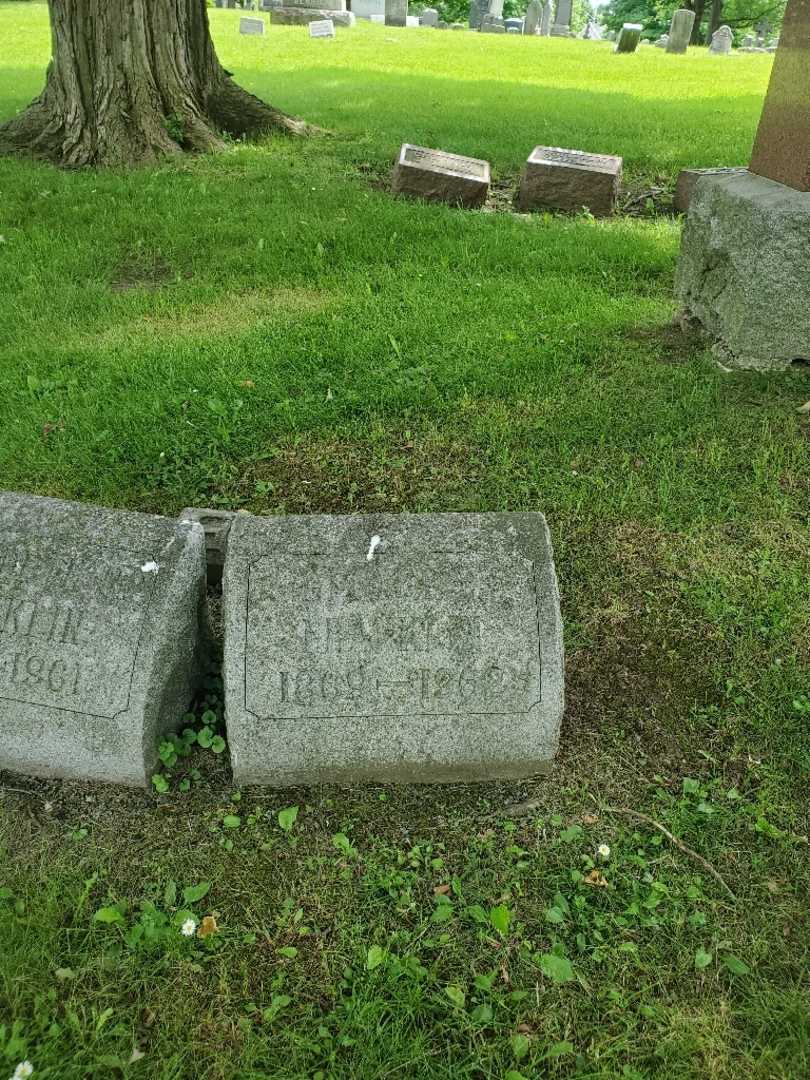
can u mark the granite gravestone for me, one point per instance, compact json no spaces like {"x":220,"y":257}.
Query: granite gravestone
{"x":688,"y":178}
{"x":440,"y":177}
{"x":559,"y":179}
{"x":251,"y":26}
{"x":680,"y":31}
{"x":321,"y":28}
{"x":478,"y":9}
{"x":562,"y":19}
{"x":429,"y":17}
{"x":534,"y":13}
{"x":492,"y":24}
{"x":396,"y":12}
{"x":302,"y":13}
{"x":101,"y":615}
{"x":722,"y":40}
{"x":629,"y":38}
{"x":545,"y":20}
{"x":782,"y":146}
{"x":391,"y":647}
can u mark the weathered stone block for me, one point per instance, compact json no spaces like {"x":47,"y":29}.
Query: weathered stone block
{"x":440,"y":177}
{"x":300,"y":16}
{"x":744,"y":268}
{"x":569,"y":180}
{"x":629,"y":37}
{"x":680,"y":31}
{"x":429,"y":17}
{"x":396,"y":12}
{"x":391,"y":647}
{"x":101,"y":615}
{"x":687,"y":178}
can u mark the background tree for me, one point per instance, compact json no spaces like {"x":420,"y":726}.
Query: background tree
{"x":656,"y":15}
{"x":132,"y":81}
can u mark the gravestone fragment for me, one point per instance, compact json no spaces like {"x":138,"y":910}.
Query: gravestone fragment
{"x":559,"y":179}
{"x":662,"y":42}
{"x":782,"y":145}
{"x":534,"y":13}
{"x":680,"y":31}
{"x":513,"y":24}
{"x":629,"y":38}
{"x":321,"y":28}
{"x":251,"y":26}
{"x":396,"y":12}
{"x":101,"y":617}
{"x":722,"y":40}
{"x":492,"y":24}
{"x":440,"y":177}
{"x":391,"y":648}
{"x":429,"y":17}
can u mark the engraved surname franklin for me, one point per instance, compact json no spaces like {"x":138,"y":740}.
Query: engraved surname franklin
{"x":447,"y":634}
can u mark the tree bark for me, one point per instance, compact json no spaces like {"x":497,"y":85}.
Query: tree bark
{"x":698,"y":6}
{"x":131,"y":82}
{"x":715,"y":19}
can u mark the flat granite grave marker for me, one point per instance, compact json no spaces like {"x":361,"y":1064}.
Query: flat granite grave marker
{"x":100,"y":636}
{"x":403,"y":647}
{"x":680,"y":31}
{"x":321,"y":28}
{"x":629,"y":38}
{"x":251,"y":26}
{"x":440,"y":177}
{"x":569,"y":180}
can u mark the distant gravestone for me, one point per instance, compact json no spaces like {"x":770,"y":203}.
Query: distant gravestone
{"x":429,"y":17}
{"x":478,"y":9}
{"x":321,"y":28}
{"x":440,"y":177}
{"x":629,"y":38}
{"x":412,"y":21}
{"x":749,"y":41}
{"x":513,"y":24}
{"x":534,"y":13}
{"x":680,"y":30}
{"x":251,"y":26}
{"x":722,"y":40}
{"x":492,"y":24}
{"x":413,"y":647}
{"x":559,"y":179}
{"x":100,"y":636}
{"x":562,"y":19}
{"x":396,"y":12}
{"x":545,"y":19}
{"x":662,"y":42}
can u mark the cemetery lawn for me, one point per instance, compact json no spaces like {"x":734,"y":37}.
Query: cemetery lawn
{"x":267,"y":330}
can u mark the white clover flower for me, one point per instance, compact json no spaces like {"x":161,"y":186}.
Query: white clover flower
{"x":603,"y":851}
{"x":23,"y":1071}
{"x":188,"y":927}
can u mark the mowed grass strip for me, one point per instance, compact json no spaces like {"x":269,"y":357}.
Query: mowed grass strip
{"x":266,"y":329}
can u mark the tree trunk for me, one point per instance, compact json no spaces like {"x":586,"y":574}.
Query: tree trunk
{"x":132,"y":81}
{"x":698,"y":6}
{"x":715,"y":19}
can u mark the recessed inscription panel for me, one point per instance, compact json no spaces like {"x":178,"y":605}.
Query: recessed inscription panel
{"x":438,"y":159}
{"x":69,"y":636}
{"x":445,"y":635}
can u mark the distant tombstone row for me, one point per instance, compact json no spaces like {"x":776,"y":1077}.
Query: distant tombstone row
{"x":553,"y":179}
{"x":385,"y":647}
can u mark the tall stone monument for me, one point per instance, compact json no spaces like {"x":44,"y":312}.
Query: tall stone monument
{"x":391,"y":647}
{"x":534,"y":13}
{"x":782,"y":145}
{"x":745,"y":254}
{"x":680,"y":31}
{"x":562,"y":19}
{"x":396,"y":12}
{"x":545,"y":19}
{"x":101,"y":613}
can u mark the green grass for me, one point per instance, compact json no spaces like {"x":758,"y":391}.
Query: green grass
{"x":267,"y":329}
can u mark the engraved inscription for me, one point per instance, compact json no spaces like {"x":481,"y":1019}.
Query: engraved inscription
{"x":579,"y":159}
{"x":438,"y":159}
{"x":61,"y":608}
{"x":443,"y":634}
